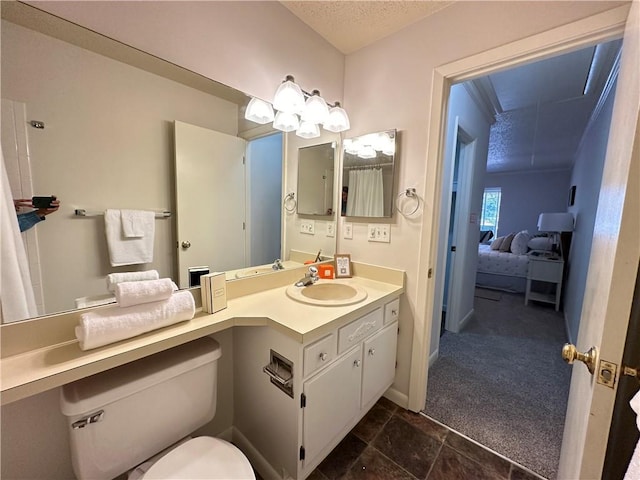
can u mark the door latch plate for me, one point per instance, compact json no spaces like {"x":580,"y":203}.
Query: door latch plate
{"x":607,"y":373}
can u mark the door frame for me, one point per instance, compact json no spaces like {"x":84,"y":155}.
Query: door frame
{"x":595,"y":29}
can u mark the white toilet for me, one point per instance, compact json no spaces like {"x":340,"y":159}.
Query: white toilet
{"x":120,"y":418}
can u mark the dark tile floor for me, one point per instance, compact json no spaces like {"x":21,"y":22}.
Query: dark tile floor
{"x":392,"y":443}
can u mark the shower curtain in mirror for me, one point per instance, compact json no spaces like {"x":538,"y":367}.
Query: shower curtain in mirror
{"x":366,"y":197}
{"x":16,"y":293}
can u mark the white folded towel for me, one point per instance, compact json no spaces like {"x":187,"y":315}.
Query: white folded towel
{"x":633,"y":470}
{"x":137,"y":223}
{"x":123,"y":250}
{"x":114,"y":278}
{"x":145,"y":291}
{"x":112,"y":324}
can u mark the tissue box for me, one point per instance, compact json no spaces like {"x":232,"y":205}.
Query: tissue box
{"x":213,"y":287}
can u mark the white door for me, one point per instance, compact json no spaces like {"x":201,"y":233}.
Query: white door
{"x":210,"y":207}
{"x":612,"y":272}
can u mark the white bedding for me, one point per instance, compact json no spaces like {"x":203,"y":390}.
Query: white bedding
{"x":501,"y":263}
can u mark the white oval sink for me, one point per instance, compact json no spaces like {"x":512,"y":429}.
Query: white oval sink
{"x":328,"y":293}
{"x":250,"y":272}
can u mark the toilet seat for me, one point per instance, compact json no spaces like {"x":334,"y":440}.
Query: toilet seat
{"x":202,"y":458}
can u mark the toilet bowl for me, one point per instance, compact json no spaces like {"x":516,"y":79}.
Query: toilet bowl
{"x":121,"y":418}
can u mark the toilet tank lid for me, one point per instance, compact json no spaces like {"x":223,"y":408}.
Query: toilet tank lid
{"x":91,"y":393}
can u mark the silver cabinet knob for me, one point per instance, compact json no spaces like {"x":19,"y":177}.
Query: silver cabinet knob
{"x":186,"y":244}
{"x":357,"y":363}
{"x":372,"y":351}
{"x":324,"y":356}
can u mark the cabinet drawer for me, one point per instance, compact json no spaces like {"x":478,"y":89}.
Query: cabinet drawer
{"x":391,"y":311}
{"x":545,"y":271}
{"x":319,"y":354}
{"x":352,"y":334}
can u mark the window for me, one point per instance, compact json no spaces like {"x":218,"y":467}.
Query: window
{"x":490,"y":209}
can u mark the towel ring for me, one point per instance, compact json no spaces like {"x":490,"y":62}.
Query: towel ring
{"x":289,"y":203}
{"x":408,"y":194}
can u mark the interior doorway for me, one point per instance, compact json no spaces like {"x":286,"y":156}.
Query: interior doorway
{"x":546,"y":329}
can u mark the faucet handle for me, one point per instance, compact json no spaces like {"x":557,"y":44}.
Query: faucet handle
{"x":313,"y":273}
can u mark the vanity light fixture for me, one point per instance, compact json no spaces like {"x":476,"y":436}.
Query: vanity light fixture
{"x":298,"y":110}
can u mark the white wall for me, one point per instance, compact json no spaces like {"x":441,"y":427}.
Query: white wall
{"x":107,"y":143}
{"x":389,"y":85}
{"x":526,"y":195}
{"x":465,"y":113}
{"x":587,"y":177}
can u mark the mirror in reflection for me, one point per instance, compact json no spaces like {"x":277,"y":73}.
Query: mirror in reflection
{"x":368,"y":175}
{"x":315,"y":179}
{"x":108,"y":142}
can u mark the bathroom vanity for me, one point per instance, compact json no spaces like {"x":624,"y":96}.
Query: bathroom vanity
{"x":295,"y":402}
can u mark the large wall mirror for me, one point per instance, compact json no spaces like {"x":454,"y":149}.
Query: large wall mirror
{"x":368,"y":174}
{"x":316,"y":171}
{"x":109,"y":141}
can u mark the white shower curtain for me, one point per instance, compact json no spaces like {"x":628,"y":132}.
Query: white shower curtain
{"x":365,"y":197}
{"x":16,"y":293}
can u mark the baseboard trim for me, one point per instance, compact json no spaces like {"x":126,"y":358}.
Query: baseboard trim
{"x":258,"y":462}
{"x":433,"y":357}
{"x":397,"y":397}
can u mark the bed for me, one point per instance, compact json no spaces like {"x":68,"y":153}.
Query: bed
{"x":501,"y":270}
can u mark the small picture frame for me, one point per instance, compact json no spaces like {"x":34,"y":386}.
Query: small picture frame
{"x":343,"y":265}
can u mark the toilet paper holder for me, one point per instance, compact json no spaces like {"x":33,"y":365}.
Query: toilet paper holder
{"x":280,"y":372}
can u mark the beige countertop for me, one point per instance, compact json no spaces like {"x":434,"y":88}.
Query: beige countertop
{"x":33,"y":371}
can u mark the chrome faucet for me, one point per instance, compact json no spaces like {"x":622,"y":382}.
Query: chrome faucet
{"x":309,"y":278}
{"x":277,"y":265}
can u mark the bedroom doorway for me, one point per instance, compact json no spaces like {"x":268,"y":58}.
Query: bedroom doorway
{"x":503,"y":328}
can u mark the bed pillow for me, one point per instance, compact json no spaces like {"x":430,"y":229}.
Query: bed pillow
{"x":495,"y":245}
{"x":519,"y":243}
{"x":540,"y":243}
{"x":505,"y":246}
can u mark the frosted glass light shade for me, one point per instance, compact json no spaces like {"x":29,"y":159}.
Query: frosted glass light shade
{"x":259,"y":111}
{"x":289,"y":98}
{"x":367,"y":151}
{"x":555,"y":222}
{"x":337,"y":121}
{"x":286,"y":122}
{"x":315,"y":109}
{"x":308,"y":130}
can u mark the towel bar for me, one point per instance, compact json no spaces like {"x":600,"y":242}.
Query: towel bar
{"x":81,"y":212}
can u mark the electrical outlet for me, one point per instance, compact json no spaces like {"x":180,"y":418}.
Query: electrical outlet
{"x":331,"y":229}
{"x":379,"y":232}
{"x":348,"y":231}
{"x":308,"y":227}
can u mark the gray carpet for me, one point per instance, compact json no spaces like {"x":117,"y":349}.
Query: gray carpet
{"x":502,"y":381}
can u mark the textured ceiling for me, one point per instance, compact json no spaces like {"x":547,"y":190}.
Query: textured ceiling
{"x":351,"y":25}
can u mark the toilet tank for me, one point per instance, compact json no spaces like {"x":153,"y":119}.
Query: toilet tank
{"x":121,"y":417}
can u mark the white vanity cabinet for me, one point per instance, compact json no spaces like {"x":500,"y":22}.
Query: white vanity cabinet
{"x":336,"y":381}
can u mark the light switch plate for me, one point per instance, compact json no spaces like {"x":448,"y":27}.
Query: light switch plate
{"x":379,"y":232}
{"x":331,"y":229}
{"x":348,"y":231}
{"x":308,"y":227}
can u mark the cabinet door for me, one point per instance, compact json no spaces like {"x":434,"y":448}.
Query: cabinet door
{"x":379,"y":367}
{"x":332,"y":401}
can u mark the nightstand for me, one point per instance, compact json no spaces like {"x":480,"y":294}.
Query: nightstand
{"x":548,"y":269}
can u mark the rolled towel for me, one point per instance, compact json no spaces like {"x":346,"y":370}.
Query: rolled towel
{"x":114,"y":278}
{"x":112,"y":324}
{"x":144,"y":291}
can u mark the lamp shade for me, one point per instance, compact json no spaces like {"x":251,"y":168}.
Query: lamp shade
{"x":289,"y":97}
{"x":555,"y":222}
{"x":308,"y":130}
{"x":286,"y":122}
{"x":338,"y":120}
{"x":315,"y":109}
{"x":259,"y":111}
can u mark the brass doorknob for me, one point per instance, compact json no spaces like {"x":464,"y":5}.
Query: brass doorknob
{"x":570,"y":353}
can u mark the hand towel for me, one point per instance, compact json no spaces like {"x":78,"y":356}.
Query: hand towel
{"x":123,"y":250}
{"x":137,"y":223}
{"x":112,"y":324}
{"x":145,"y":291}
{"x":633,"y":470}
{"x":114,"y":278}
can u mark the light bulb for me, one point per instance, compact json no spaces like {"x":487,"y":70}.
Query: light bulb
{"x":315,"y":109}
{"x":289,"y":97}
